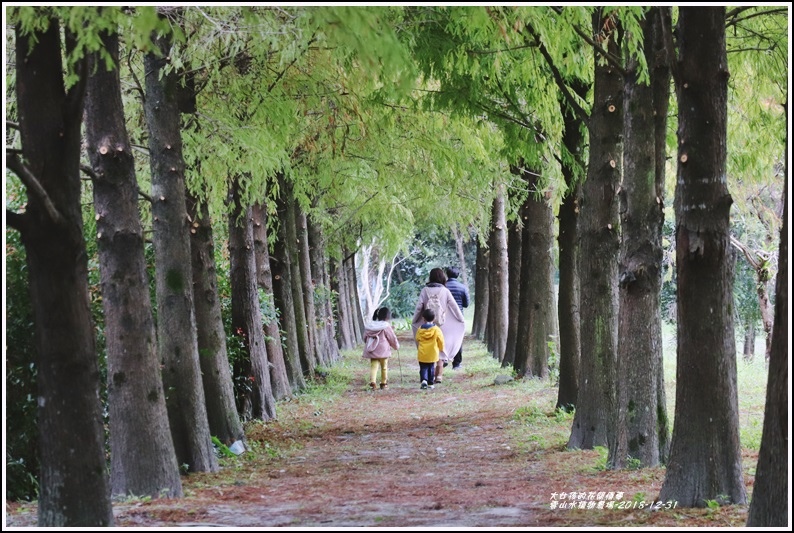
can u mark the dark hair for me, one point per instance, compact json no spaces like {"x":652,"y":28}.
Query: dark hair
{"x":453,"y":272}
{"x":428,"y":315}
{"x":437,"y":276}
{"x":381,"y":313}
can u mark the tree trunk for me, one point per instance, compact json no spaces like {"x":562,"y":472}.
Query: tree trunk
{"x":514,"y":277}
{"x":660,"y":81}
{"x":345,"y":338}
{"x":143,"y":461}
{"x":537,"y":303}
{"x":281,"y":269}
{"x":568,"y":298}
{"x":642,"y":217}
{"x":460,"y":249}
{"x":356,"y":316}
{"x":325,"y":312}
{"x":216,"y":375}
{"x":481,"y":291}
{"x":598,"y":258}
{"x":500,"y":288}
{"x":246,"y":313}
{"x":705,"y":457}
{"x":308,"y":284}
{"x":771,"y":505}
{"x":279,"y":380}
{"x":749,"y":341}
{"x":176,"y":323}
{"x":73,"y":487}
{"x":287,"y":217}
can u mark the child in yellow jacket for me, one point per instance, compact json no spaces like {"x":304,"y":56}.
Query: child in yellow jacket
{"x":430,"y":341}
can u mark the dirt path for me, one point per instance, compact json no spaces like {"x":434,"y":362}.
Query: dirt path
{"x":461,"y":455}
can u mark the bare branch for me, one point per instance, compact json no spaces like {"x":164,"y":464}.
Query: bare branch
{"x":88,"y":171}
{"x":12,"y":125}
{"x":614,"y":61}
{"x":558,"y":79}
{"x":145,"y":196}
{"x":284,"y":71}
{"x":15,"y":165}
{"x":747,"y":253}
{"x":736,"y":20}
{"x":91,"y":174}
{"x":138,"y":86}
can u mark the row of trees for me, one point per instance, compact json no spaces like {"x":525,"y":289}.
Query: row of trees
{"x":282,"y":143}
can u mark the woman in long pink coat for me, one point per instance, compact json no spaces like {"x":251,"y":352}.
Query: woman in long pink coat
{"x":453,"y":326}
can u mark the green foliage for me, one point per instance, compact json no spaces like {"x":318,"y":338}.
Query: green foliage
{"x":21,"y":432}
{"x":86,"y":25}
{"x":236,"y":349}
{"x":633,"y":463}
{"x":601,"y":462}
{"x":221,"y":448}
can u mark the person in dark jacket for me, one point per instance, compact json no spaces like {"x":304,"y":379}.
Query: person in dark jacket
{"x":461,"y":294}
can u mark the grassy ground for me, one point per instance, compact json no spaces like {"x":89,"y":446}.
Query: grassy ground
{"x":468,"y":454}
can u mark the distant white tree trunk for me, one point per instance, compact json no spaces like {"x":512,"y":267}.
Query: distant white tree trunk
{"x":375,"y":286}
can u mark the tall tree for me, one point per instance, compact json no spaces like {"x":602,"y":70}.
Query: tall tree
{"x":257,"y":400}
{"x":142,"y":457}
{"x":461,"y":251}
{"x":216,"y":375}
{"x":281,"y":269}
{"x":73,"y":487}
{"x":481,"y":290}
{"x":641,"y":421}
{"x":308,"y":285}
{"x":319,"y":268}
{"x":176,"y":323}
{"x":770,"y":505}
{"x":598,"y":247}
{"x":514,"y":241}
{"x":536,"y":306}
{"x":497,"y":275}
{"x":567,"y":246}
{"x":287,"y":218}
{"x":345,"y":338}
{"x":275,"y":353}
{"x":705,"y":457}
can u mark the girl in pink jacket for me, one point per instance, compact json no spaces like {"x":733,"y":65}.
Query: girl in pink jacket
{"x":379,"y":339}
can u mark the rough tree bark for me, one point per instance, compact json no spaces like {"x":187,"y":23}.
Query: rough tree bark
{"x":770,"y":505}
{"x":142,"y":457}
{"x":497,"y":272}
{"x":73,"y":487}
{"x":281,"y":269}
{"x":279,"y":380}
{"x":481,"y":291}
{"x":325,"y":313}
{"x":642,"y":217}
{"x":568,"y":298}
{"x":537,"y":304}
{"x":257,"y":400}
{"x":598,"y":249}
{"x":705,"y":456}
{"x":514,"y":277}
{"x":176,"y":323}
{"x":216,"y":375}
{"x":287,"y":218}
{"x":309,"y":285}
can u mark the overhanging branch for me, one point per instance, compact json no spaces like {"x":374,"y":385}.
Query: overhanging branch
{"x":15,"y":165}
{"x":558,"y":79}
